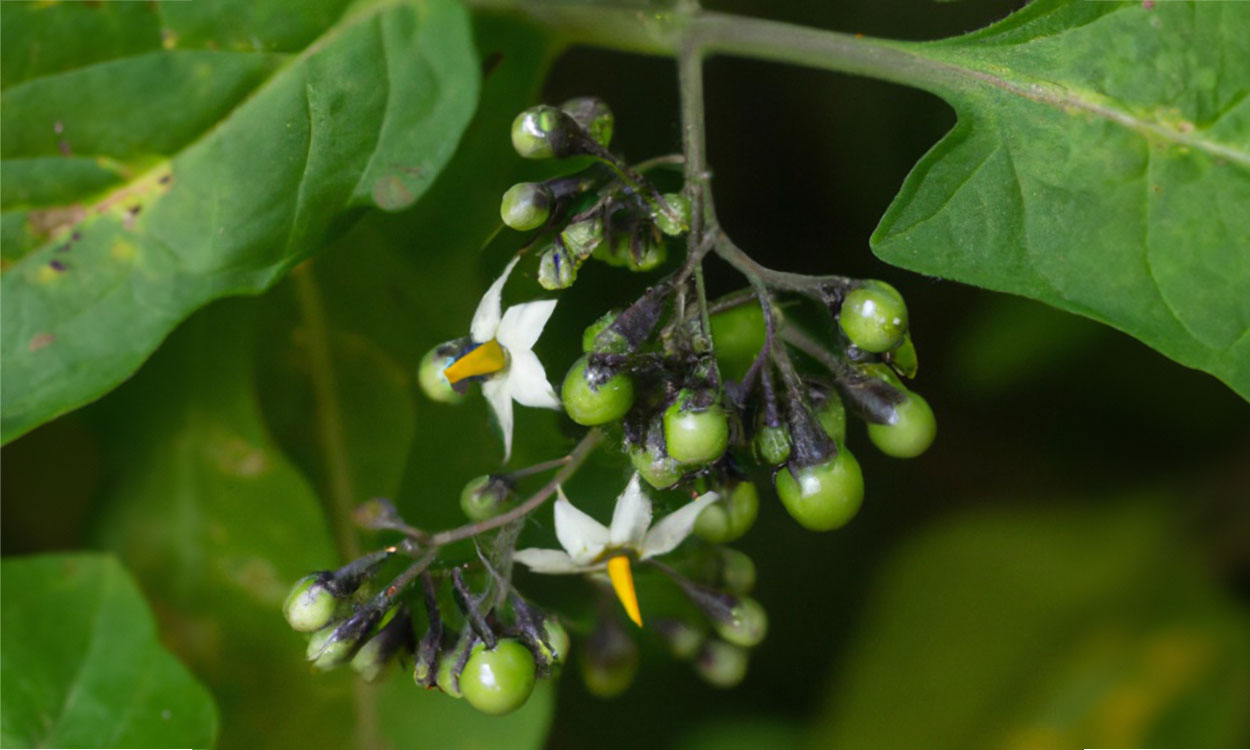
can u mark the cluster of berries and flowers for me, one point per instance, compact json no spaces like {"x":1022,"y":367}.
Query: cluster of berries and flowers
{"x":650,"y":387}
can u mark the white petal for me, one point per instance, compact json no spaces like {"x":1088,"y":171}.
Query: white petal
{"x":631,"y":517}
{"x":523,"y":324}
{"x":669,"y":532}
{"x":486,"y":318}
{"x":527,"y":381}
{"x":500,"y":399}
{"x":581,"y":536}
{"x":555,"y":561}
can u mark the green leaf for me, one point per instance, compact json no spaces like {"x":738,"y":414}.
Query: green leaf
{"x":195,"y":151}
{"x":82,"y":666}
{"x":1101,"y":164}
{"x":1066,"y":626}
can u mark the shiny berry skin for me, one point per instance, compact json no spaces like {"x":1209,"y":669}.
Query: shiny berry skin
{"x":747,"y":624}
{"x":772,"y":444}
{"x":695,"y":436}
{"x":730,"y":517}
{"x":874,"y":317}
{"x":912,"y":431}
{"x":832,"y":418}
{"x":680,"y":206}
{"x":535,"y":130}
{"x":611,"y":342}
{"x":825,"y":495}
{"x":592,"y":405}
{"x":433,"y":382}
{"x":526,"y":206}
{"x":721,"y":664}
{"x":659,"y":471}
{"x":310,"y":606}
{"x":498,"y":681}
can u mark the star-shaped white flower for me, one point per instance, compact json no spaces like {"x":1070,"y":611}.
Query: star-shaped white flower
{"x":589,"y":546}
{"x":503,"y":353}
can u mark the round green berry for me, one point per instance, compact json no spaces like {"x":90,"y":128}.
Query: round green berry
{"x":446,"y":678}
{"x":772,"y":444}
{"x":484,"y":497}
{"x":558,"y":642}
{"x":730,"y":517}
{"x":535,"y":130}
{"x":594,"y":404}
{"x":526,"y":206}
{"x":737,"y":571}
{"x":609,"y":673}
{"x":327,"y":654}
{"x":746,"y":625}
{"x":695,"y":436}
{"x":832,"y":418}
{"x":611,"y":343}
{"x":310,"y":606}
{"x":498,"y":681}
{"x":911,"y":432}
{"x":874,"y":317}
{"x":594,"y":115}
{"x":659,"y":471}
{"x":823,"y":496}
{"x":433,"y":382}
{"x":721,"y":664}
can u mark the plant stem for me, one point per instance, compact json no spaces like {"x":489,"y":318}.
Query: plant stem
{"x":575,"y":459}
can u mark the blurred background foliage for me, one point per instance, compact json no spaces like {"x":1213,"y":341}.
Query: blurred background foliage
{"x":1069,"y":565}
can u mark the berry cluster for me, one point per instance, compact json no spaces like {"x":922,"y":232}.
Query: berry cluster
{"x":649,"y":382}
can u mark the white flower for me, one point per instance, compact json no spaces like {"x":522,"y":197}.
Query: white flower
{"x":504,"y":354}
{"x":589,"y":546}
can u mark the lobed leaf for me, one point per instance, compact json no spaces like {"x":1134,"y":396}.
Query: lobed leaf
{"x":1100,"y":164}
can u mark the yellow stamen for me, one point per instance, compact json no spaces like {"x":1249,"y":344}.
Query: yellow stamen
{"x":623,"y":582}
{"x":486,"y":359}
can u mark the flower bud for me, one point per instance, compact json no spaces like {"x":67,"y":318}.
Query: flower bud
{"x":593,"y":115}
{"x":581,"y":238}
{"x":339,"y":645}
{"x":376,"y":653}
{"x":772,"y":444}
{"x":556,"y":268}
{"x":746,"y":625}
{"x":681,"y":207}
{"x":526,"y":206}
{"x":486,"y":496}
{"x":737,"y":571}
{"x":609,"y":660}
{"x":310,"y":606}
{"x":721,"y":664}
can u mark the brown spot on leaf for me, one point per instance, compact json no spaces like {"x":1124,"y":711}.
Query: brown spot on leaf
{"x":40,"y":340}
{"x":391,"y":194}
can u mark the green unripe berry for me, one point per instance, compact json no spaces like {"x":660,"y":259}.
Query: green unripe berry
{"x":721,"y":664}
{"x":832,"y":418}
{"x":325,"y":654}
{"x":659,"y":471}
{"x":739,"y":336}
{"x":594,"y":115}
{"x":904,"y":358}
{"x":747,"y":624}
{"x":582,"y":238}
{"x":609,"y":670}
{"x":824,"y":496}
{"x":310,"y":606}
{"x":558,"y":640}
{"x":589,"y":404}
{"x":911,"y":433}
{"x":680,"y":205}
{"x":526,"y":206}
{"x":612,"y":342}
{"x":433,"y":382}
{"x":498,"y":681}
{"x":484,"y":497}
{"x":695,"y":436}
{"x":737,"y":572}
{"x":874,"y":317}
{"x":535,"y":131}
{"x":682,"y":638}
{"x":730,"y":517}
{"x":772,"y":444}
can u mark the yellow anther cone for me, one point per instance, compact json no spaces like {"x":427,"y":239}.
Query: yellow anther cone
{"x":486,"y":359}
{"x":623,"y":582}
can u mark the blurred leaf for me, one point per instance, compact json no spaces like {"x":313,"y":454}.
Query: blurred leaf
{"x":83,"y":667}
{"x":1101,"y":164}
{"x":742,"y":734}
{"x":161,"y":170}
{"x":217,"y":525}
{"x":1086,"y":626}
